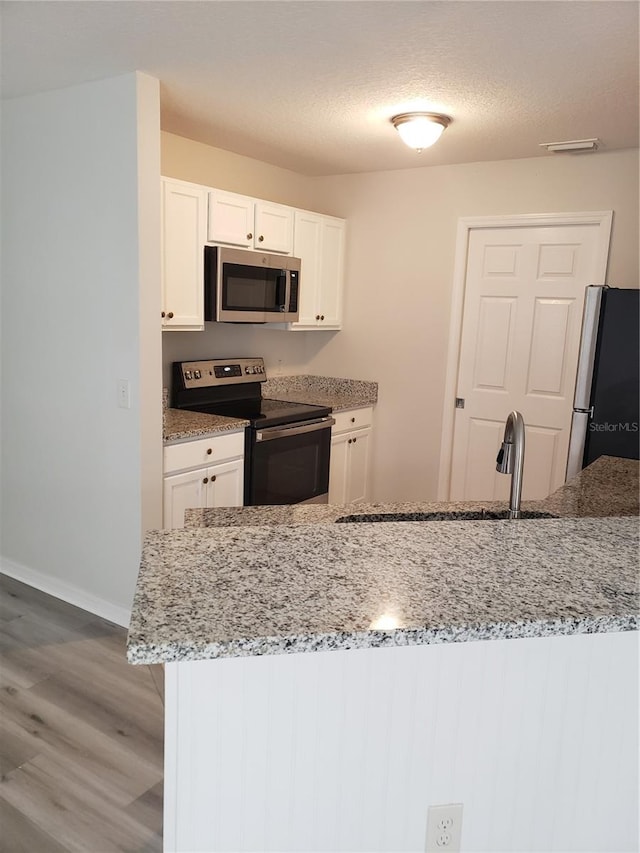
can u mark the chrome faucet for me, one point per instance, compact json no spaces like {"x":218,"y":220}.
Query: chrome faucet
{"x":511,"y":459}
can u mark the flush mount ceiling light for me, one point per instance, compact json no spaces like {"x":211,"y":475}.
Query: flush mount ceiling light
{"x":420,"y":130}
{"x":572,"y":145}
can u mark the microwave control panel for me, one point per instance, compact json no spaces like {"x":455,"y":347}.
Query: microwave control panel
{"x":205,"y":374}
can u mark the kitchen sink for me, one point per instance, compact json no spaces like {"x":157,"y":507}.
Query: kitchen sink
{"x":453,"y":515}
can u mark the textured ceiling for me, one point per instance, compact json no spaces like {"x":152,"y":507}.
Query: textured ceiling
{"x":310,"y":85}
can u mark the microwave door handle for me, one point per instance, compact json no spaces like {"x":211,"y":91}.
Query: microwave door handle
{"x":282,"y":286}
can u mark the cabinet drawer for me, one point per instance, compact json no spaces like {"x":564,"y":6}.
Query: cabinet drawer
{"x":353,"y":419}
{"x":203,"y":451}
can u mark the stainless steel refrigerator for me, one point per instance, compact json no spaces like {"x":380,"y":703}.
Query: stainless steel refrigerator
{"x":605,"y":407}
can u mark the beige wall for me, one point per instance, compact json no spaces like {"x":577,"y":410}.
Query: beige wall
{"x":400,"y":254}
{"x":193,"y":161}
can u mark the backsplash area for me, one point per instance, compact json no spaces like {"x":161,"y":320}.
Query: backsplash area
{"x":283,"y":352}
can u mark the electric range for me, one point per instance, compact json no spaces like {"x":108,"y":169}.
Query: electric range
{"x":287,"y":445}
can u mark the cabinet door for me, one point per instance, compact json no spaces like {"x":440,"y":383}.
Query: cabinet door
{"x":230,"y":219}
{"x":226,"y":484}
{"x":183,"y":233}
{"x":329,"y":303}
{"x":338,"y":468}
{"x":273,"y":227}
{"x":307,"y":235}
{"x":358,"y":465}
{"x":184,"y":491}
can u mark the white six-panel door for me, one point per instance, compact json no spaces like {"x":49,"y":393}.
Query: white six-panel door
{"x":523,"y":303}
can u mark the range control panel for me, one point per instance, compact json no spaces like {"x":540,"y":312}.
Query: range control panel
{"x":205,"y":374}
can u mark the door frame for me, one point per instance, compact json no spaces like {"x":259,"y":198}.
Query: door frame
{"x":601,"y":218}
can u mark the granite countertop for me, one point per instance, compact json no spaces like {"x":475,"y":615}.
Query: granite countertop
{"x":232,"y":592}
{"x":235,"y":590}
{"x":180,"y":425}
{"x":608,"y":487}
{"x":338,"y":394}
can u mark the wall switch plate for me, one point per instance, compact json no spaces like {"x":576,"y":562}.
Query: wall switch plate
{"x":124,"y":394}
{"x":444,"y":828}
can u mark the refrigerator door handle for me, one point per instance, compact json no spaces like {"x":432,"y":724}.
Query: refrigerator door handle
{"x":588,"y":340}
{"x":579,"y":426}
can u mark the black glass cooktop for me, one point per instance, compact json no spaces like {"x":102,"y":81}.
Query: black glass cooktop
{"x":263,"y":412}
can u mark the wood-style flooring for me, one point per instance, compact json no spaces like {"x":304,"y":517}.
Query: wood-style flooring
{"x":81,"y":732}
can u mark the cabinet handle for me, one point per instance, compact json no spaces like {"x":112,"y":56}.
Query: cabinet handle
{"x":163,"y":314}
{"x":209,"y":451}
{"x":206,"y":480}
{"x":261,"y":238}
{"x":213,"y":479}
{"x":353,"y":420}
{"x":170,"y":315}
{"x":249,"y":236}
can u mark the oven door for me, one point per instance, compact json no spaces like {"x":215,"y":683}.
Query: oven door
{"x":289,"y":464}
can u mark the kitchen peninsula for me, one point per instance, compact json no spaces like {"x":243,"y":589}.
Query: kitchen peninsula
{"x":366,"y":671}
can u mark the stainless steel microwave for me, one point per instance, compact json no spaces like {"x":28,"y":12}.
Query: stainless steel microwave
{"x":250,"y":287}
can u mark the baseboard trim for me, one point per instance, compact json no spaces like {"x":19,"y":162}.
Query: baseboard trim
{"x":66,"y":591}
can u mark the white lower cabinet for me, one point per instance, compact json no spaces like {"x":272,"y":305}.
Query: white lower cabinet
{"x":219,"y":483}
{"x":350,"y":456}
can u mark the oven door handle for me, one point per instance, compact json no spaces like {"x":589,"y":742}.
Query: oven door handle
{"x":272,"y":433}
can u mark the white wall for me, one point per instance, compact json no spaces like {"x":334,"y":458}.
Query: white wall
{"x":400,"y":254}
{"x":346,"y":750}
{"x":72,"y":294}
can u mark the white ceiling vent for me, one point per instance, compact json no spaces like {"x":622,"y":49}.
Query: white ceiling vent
{"x":572,"y":145}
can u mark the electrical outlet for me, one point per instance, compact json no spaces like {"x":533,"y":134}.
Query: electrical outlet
{"x":444,"y":828}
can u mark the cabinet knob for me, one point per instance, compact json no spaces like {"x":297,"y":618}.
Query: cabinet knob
{"x":261,"y":238}
{"x":350,"y":441}
{"x":354,"y":440}
{"x":317,"y":316}
{"x":213,"y":479}
{"x":170,"y":314}
{"x":322,"y":316}
{"x":209,"y":451}
{"x":249,"y":236}
{"x":163,"y":314}
{"x":353,"y":420}
{"x":206,"y":480}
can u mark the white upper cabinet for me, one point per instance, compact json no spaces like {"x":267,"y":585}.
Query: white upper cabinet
{"x":319,"y":242}
{"x":193,"y":215}
{"x":237,"y":220}
{"x":274,"y":227}
{"x":230,"y":219}
{"x":184,"y":211}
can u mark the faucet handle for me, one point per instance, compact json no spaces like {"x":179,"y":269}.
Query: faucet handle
{"x":504,"y":459}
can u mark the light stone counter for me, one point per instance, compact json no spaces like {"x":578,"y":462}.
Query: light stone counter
{"x":608,"y":487}
{"x":339,"y":394}
{"x":181,"y":425}
{"x":233,"y":592}
{"x":293,"y":581}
